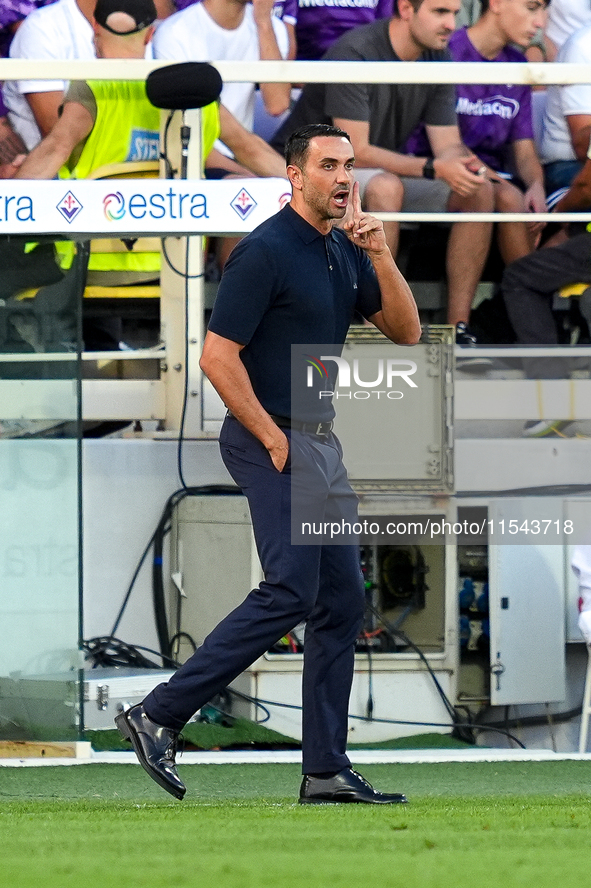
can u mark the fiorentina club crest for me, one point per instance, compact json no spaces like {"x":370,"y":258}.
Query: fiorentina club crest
{"x":243,"y":203}
{"x":69,"y":206}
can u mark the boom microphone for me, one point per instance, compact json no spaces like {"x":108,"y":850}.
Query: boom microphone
{"x":183,"y":86}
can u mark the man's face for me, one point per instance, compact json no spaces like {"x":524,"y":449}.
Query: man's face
{"x":433,"y":23}
{"x":327,"y":176}
{"x":520,"y":19}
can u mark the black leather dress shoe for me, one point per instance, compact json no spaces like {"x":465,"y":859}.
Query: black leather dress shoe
{"x":346,"y":786}
{"x":155,"y":747}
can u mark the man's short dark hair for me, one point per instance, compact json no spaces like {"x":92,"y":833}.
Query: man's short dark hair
{"x":485,"y":5}
{"x":414,"y":3}
{"x":298,"y":144}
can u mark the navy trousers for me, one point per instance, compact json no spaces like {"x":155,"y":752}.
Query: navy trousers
{"x":321,"y":584}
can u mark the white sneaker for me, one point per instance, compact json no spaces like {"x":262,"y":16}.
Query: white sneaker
{"x":543,"y":428}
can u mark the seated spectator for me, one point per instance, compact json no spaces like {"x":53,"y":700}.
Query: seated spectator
{"x":100,"y":119}
{"x":12,"y":147}
{"x":12,"y":150}
{"x":380,"y":118}
{"x":529,"y":284}
{"x":286,"y":10}
{"x":62,"y":30}
{"x":319,"y":24}
{"x":496,"y":120}
{"x":567,"y":119}
{"x":12,"y":15}
{"x":565,"y":17}
{"x":239,"y":31}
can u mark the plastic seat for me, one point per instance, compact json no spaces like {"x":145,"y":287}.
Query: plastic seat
{"x":141,"y":169}
{"x":580,"y":291}
{"x":114,"y":302}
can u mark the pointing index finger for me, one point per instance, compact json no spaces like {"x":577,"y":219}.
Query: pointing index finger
{"x":356,"y":199}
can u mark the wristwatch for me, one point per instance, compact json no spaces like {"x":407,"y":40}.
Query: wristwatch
{"x":429,"y":169}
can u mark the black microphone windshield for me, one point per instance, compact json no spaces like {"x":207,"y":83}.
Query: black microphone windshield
{"x":183,"y":86}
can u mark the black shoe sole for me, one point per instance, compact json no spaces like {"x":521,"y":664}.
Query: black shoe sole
{"x":128,"y":734}
{"x":303,"y":801}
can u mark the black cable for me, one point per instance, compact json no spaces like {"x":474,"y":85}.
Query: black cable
{"x":108,"y":651}
{"x":185,"y":275}
{"x":131,"y":585}
{"x":532,"y":721}
{"x":398,"y":633}
{"x":158,"y":591}
{"x":542,"y":490}
{"x":168,"y":260}
{"x":254,"y":700}
{"x":178,"y":635}
{"x":370,"y":704}
{"x":164,"y":152}
{"x":463,"y":728}
{"x":397,"y":721}
{"x":157,"y":539}
{"x":179,"y":453}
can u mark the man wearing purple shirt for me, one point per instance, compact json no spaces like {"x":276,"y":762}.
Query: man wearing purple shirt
{"x":495,"y":120}
{"x":321,"y":22}
{"x":381,"y":117}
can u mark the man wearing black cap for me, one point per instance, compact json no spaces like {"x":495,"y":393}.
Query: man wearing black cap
{"x":104,"y":122}
{"x":101,"y":120}
{"x":61,"y":30}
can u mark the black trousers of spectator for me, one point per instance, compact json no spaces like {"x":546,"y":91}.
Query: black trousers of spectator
{"x":528,"y":288}
{"x":319,"y":583}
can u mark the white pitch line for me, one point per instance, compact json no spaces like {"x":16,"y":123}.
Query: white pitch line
{"x":358,"y":756}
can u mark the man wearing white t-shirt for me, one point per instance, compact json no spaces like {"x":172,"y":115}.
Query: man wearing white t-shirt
{"x":564,"y":18}
{"x":567,"y":120}
{"x":61,"y":30}
{"x":229,"y":30}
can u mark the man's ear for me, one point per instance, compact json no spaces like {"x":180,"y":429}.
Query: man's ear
{"x":294,"y":174}
{"x":405,"y":10}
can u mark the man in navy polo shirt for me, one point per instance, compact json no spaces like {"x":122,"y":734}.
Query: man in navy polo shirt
{"x":296,"y":279}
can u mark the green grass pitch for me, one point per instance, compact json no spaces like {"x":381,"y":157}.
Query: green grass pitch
{"x":468,"y":825}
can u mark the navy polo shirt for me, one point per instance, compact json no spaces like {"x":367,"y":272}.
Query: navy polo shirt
{"x":286,"y":284}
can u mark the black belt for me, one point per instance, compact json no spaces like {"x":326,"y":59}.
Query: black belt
{"x":323,"y":429}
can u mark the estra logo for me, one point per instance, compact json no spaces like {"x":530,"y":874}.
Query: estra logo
{"x":171,"y":203}
{"x":114,"y":206}
{"x":349,"y":384}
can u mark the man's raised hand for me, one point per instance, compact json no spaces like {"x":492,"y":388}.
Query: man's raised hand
{"x":361,"y":228}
